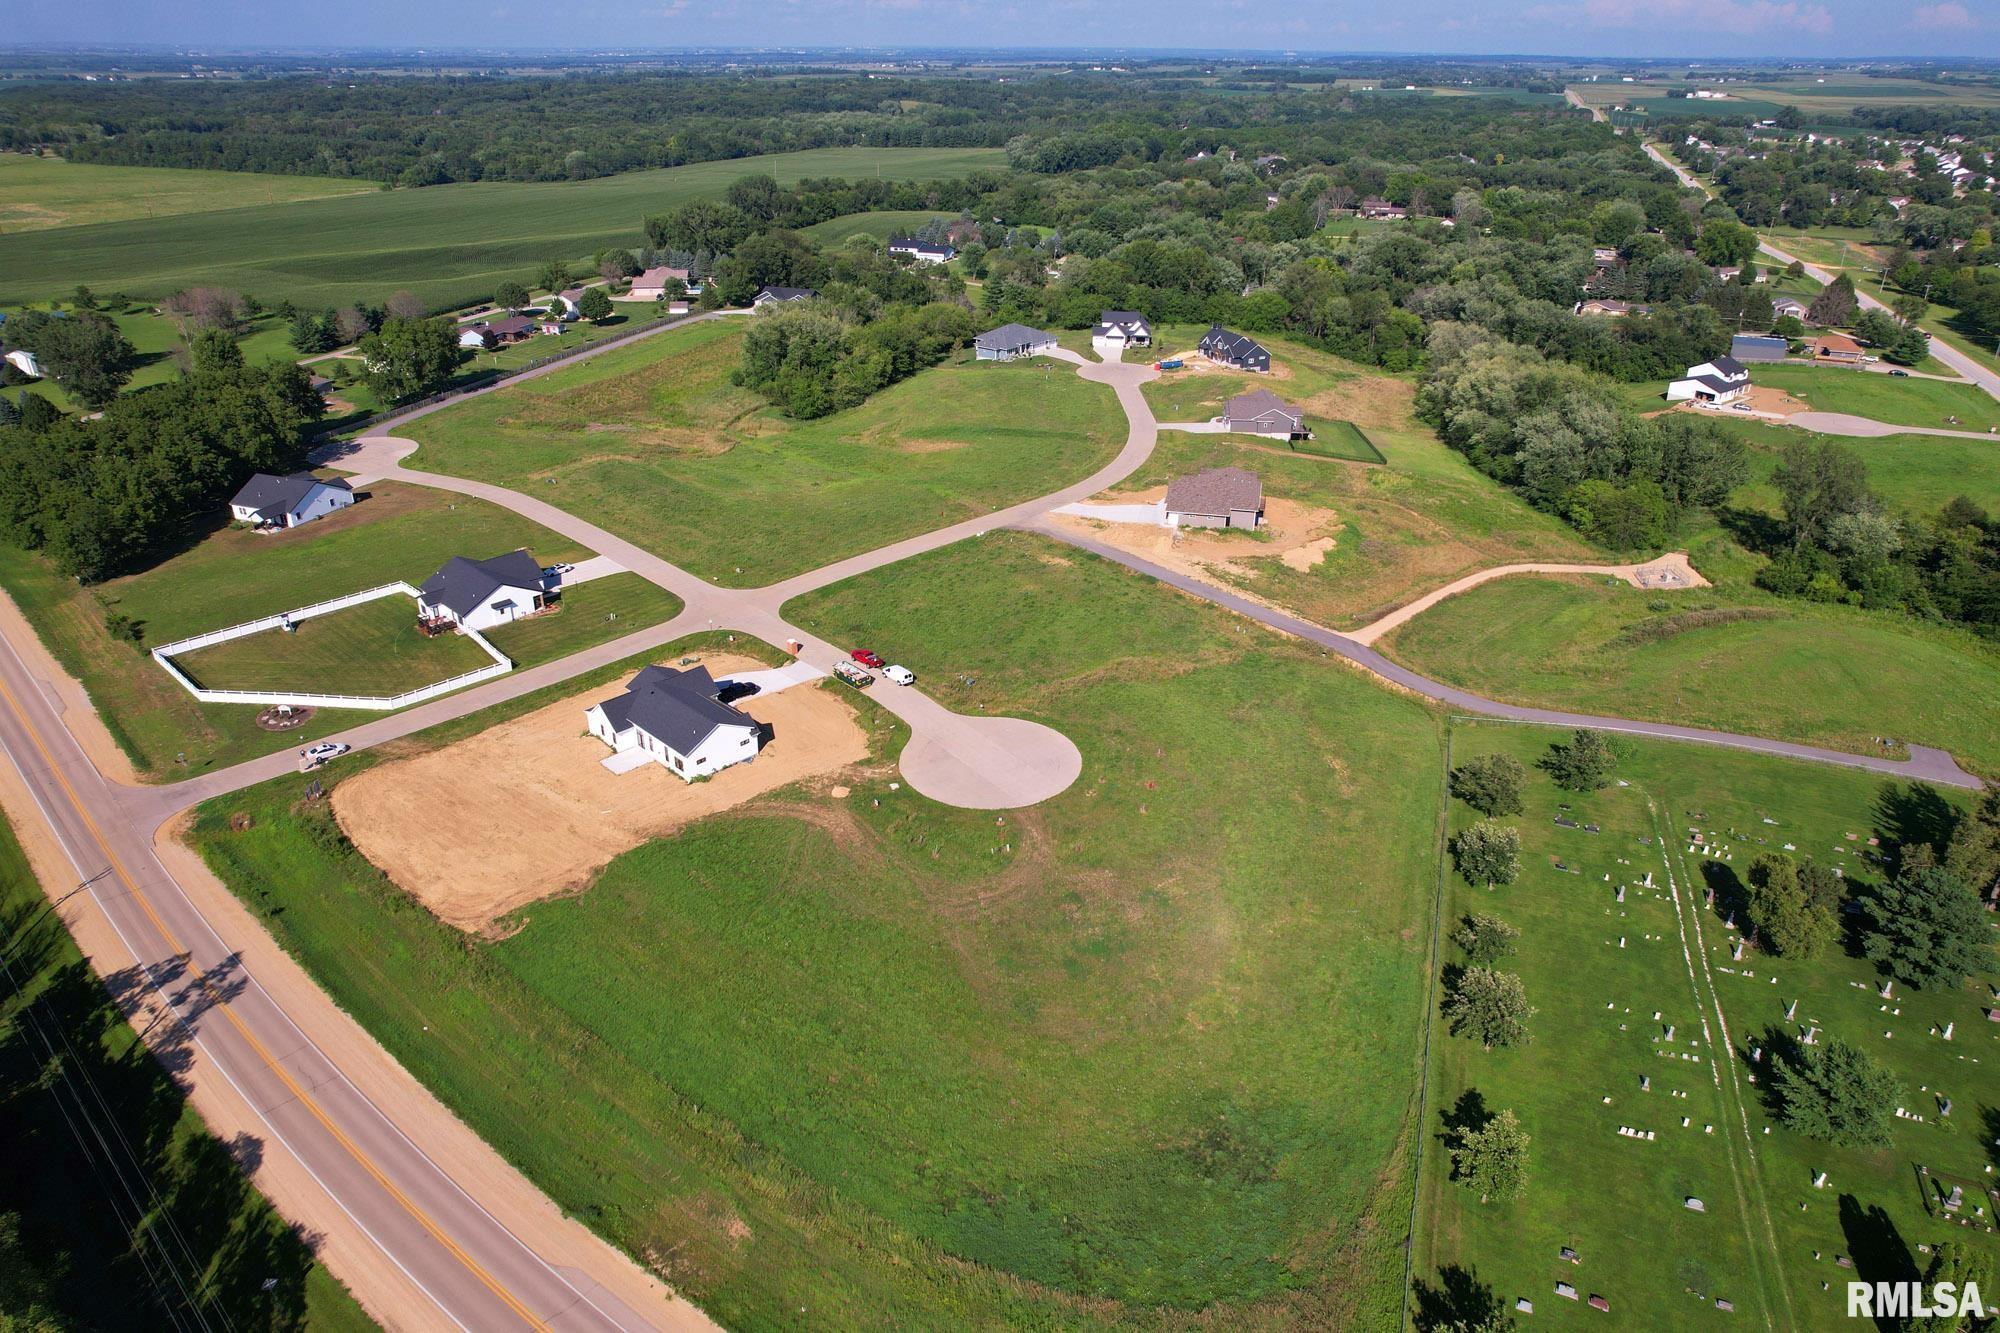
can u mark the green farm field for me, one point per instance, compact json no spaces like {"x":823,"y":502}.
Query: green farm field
{"x":1071,"y":1067}
{"x":1898,"y":400}
{"x":1915,"y":473}
{"x":372,"y":650}
{"x":654,"y":443}
{"x":244,"y":1264}
{"x":1767,"y":1241}
{"x":39,"y":193}
{"x":1786,"y":669}
{"x":232,"y":575}
{"x":880,"y":225}
{"x":450,"y":244}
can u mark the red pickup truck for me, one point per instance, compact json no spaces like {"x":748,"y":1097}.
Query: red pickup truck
{"x":867,"y":658}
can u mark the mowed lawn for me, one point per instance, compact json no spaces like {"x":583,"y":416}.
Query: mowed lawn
{"x":1785,"y":669}
{"x":37,"y":193}
{"x":1898,"y":400}
{"x":230,"y":576}
{"x":450,"y":244}
{"x":1149,"y":1044}
{"x":372,"y":650}
{"x":1917,"y":474}
{"x":654,"y":443}
{"x":157,"y":349}
{"x":879,"y":225}
{"x":1767,"y":1240}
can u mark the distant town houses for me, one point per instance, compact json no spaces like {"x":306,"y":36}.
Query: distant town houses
{"x":780,"y":296}
{"x":1720,"y":382}
{"x":1234,"y":349}
{"x":274,"y":503}
{"x":923,"y":252}
{"x":1261,"y":412}
{"x":1012,"y":341}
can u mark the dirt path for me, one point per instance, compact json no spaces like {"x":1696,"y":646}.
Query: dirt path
{"x":1668,"y":572}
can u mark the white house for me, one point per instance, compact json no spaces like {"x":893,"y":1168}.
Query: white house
{"x":1116,"y":330}
{"x":567,"y":305}
{"x":1261,"y":412}
{"x":286,"y":502}
{"x":479,"y":594}
{"x":1721,"y":381}
{"x":1010,"y":341}
{"x":780,"y":295}
{"x":24,"y":361}
{"x":923,"y":251}
{"x":674,"y":718}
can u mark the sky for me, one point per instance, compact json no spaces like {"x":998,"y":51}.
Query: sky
{"x":1659,"y":28}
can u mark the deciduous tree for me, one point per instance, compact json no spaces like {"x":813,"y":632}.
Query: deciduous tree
{"x":1582,"y":763}
{"x":1492,"y":784}
{"x":1489,"y":1006}
{"x":1492,"y":1159}
{"x":1488,"y":853}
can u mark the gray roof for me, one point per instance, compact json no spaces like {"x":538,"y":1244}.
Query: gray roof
{"x":1223,"y":345}
{"x":463,"y":584}
{"x":1106,"y":318}
{"x":915,"y":247}
{"x":1258,"y":402}
{"x":1748,"y":347}
{"x":785,"y":293}
{"x":677,"y":708}
{"x":1219,"y":490}
{"x":1719,"y":385}
{"x":277,"y":495}
{"x":1729,"y":366}
{"x":1010,"y":336}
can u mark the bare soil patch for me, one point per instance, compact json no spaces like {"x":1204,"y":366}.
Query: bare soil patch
{"x":1764,"y":398}
{"x":1299,"y":535}
{"x":526,"y":810}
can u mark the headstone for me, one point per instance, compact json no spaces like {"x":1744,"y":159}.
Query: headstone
{"x":1670,"y":1032}
{"x":1955,"y":1200}
{"x":1944,"y":1106}
{"x":1819,"y":1181}
{"x":1524,"y":1305}
{"x":1736,"y":950}
{"x":1645,"y":1082}
{"x":1812,"y":1035}
{"x":1695,"y":1205}
{"x":1885,"y":988}
{"x":1791,"y":1011}
{"x":1565,"y":1290}
{"x":1947,"y":1029}
{"x":1621,"y":893}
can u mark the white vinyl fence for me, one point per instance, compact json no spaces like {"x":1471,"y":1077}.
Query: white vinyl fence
{"x":166,"y":653}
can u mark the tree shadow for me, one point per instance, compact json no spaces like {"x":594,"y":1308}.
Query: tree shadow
{"x":1909,"y":814}
{"x":1467,"y":1115}
{"x":1458,"y":1300}
{"x":1732,"y":896}
{"x":1877,"y":1249}
{"x":1753,"y":529}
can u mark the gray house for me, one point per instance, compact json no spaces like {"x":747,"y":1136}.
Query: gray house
{"x":781,"y":295}
{"x":1750,"y":347}
{"x":1261,"y":412}
{"x":1010,"y":341}
{"x":1221,"y":497}
{"x":1234,"y":349}
{"x":286,"y":502}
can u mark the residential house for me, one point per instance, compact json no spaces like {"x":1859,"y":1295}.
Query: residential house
{"x":479,"y":594}
{"x":1750,"y":347}
{"x":1782,"y":306}
{"x":961,"y":232}
{"x":1010,"y":341}
{"x":1837,"y":347}
{"x":479,"y":337}
{"x":780,"y":295}
{"x":1722,"y":381}
{"x":24,"y":361}
{"x":1234,"y":349}
{"x":652,"y":284}
{"x":922,"y":251}
{"x":1220,"y":497}
{"x":1605,"y":305}
{"x":675,"y":719}
{"x":1116,"y":330}
{"x":286,"y":502}
{"x":567,"y":305}
{"x":1372,"y":207}
{"x":1261,"y":412}
{"x":1606,"y":256}
{"x":1728,"y":273}
{"x":498,"y":333}
{"x":1270,"y":161}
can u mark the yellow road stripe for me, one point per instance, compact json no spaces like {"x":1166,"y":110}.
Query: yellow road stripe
{"x":291,"y":1085}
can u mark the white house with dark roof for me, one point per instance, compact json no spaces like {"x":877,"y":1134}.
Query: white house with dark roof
{"x":479,"y":594}
{"x":1234,"y":349}
{"x":924,"y":252}
{"x":286,"y":502}
{"x":1220,"y":497}
{"x":780,"y":296}
{"x":24,"y":361}
{"x":1261,"y":412}
{"x":1012,"y":341}
{"x":1116,"y":330}
{"x":1721,"y":381}
{"x":675,"y":719}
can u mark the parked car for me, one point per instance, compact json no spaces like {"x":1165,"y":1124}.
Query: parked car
{"x":853,"y":675}
{"x":902,"y":675}
{"x":731,"y":690}
{"x":1900,"y":374}
{"x":867,"y":658}
{"x":314,"y":755}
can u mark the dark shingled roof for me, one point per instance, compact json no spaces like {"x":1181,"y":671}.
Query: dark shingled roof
{"x":463,"y":584}
{"x":270,"y":495}
{"x":787,"y":293}
{"x":1010,"y":336}
{"x":1223,"y":345}
{"x":1729,"y":366}
{"x":677,"y":708}
{"x":1219,"y":490}
{"x":1245,"y":406}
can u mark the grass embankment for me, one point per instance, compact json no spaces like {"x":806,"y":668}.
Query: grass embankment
{"x":1767,"y":1240}
{"x":1894,"y":399}
{"x":450,"y":244}
{"x":37,"y":193}
{"x":153,"y":1223}
{"x":654,"y":443}
{"x":874,"y":1058}
{"x":372,"y":650}
{"x":1916,"y":474}
{"x":232,"y":575}
{"x":1736,"y":661}
{"x":879,"y":225}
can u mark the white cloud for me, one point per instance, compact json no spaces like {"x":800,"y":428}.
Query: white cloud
{"x":1737,"y":17}
{"x":1948,"y":16}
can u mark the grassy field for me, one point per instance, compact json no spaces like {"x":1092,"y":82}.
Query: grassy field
{"x":585,"y":616}
{"x":76,"y":1246}
{"x":874,"y":1058}
{"x":37,"y":193}
{"x":654,"y":443}
{"x":880,"y":225}
{"x":156,"y":343}
{"x":1767,"y":1241}
{"x":1893,"y":399}
{"x":372,"y":650}
{"x":1339,"y":439}
{"x":1914,"y":473}
{"x":450,"y":244}
{"x":1788,"y":669}
{"x":231,"y":576}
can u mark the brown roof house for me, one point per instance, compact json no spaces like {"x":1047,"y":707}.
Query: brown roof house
{"x":1261,"y":412}
{"x":1221,"y":497}
{"x":1836,"y":347}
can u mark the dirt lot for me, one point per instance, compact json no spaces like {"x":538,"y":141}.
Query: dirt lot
{"x":526,"y":809}
{"x":1297,"y":536}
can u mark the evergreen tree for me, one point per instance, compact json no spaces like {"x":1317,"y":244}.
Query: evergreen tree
{"x":1583,"y":763}
{"x":1928,"y":929}
{"x":1836,"y":1092}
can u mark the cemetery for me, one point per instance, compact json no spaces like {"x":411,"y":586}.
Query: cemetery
{"x":1657,"y":1019}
